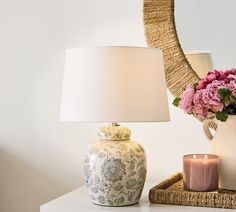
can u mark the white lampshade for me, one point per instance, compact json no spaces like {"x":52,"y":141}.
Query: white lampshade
{"x":200,"y":61}
{"x":114,"y":84}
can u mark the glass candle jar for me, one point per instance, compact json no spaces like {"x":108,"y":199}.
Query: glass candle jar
{"x":201,"y":172}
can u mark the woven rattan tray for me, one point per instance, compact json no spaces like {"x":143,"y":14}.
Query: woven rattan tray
{"x":171,"y":192}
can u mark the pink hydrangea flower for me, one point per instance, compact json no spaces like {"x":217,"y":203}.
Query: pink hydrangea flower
{"x":216,"y":75}
{"x":203,"y":99}
{"x":199,"y":106}
{"x":231,"y":77}
{"x":201,"y":84}
{"x":210,"y":96}
{"x":186,"y":102}
{"x":232,"y":86}
{"x":230,"y":72}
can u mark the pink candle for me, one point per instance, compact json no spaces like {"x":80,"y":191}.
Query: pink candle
{"x":201,"y":172}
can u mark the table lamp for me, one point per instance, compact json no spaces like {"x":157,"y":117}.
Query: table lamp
{"x":201,"y":61}
{"x":114,"y":84}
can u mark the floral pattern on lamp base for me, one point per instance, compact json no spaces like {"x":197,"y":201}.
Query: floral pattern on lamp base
{"x":115,"y":172}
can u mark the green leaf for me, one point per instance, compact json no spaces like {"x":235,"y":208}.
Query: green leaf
{"x":176,"y":101}
{"x":224,"y":95}
{"x":222,"y":116}
{"x":231,"y":109}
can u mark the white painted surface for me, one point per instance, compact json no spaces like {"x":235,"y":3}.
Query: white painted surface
{"x":78,"y":200}
{"x":40,"y":157}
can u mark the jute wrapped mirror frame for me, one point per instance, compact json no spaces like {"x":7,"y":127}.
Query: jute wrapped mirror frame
{"x":160,"y":32}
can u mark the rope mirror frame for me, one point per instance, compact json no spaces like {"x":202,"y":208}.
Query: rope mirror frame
{"x":160,"y":32}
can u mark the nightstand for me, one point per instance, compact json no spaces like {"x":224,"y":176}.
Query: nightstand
{"x":78,"y":201}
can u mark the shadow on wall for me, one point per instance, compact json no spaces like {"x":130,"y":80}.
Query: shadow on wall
{"x":19,"y":191}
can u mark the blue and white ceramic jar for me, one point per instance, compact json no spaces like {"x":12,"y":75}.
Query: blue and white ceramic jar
{"x":115,"y":168}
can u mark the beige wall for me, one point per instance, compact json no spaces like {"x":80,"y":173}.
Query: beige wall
{"x":40,"y":157}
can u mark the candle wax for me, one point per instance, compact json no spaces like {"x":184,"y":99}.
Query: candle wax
{"x":200,"y":172}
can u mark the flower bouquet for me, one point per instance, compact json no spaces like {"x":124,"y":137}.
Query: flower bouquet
{"x":213,"y":96}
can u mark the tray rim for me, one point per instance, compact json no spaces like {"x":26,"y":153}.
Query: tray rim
{"x":217,"y":199}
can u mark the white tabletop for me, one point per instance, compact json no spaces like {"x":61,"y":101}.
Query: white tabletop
{"x":78,"y":201}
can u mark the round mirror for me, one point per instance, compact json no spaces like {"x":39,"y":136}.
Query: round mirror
{"x":160,"y":32}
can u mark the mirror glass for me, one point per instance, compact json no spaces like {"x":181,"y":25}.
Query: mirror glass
{"x":208,"y":25}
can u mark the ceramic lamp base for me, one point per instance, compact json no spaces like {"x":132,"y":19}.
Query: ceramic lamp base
{"x":115,"y":168}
